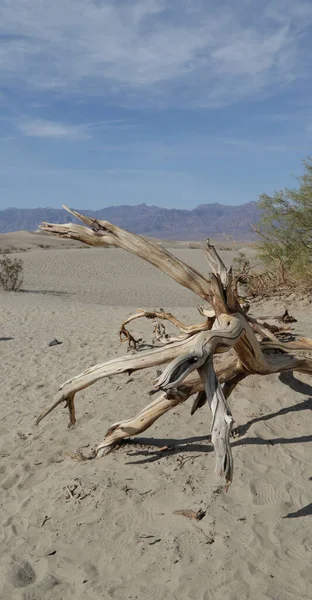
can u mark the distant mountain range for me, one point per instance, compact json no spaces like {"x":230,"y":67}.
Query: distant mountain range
{"x":207,"y":220}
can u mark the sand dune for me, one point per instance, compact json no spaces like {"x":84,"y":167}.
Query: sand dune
{"x":22,"y":241}
{"x":106,"y":528}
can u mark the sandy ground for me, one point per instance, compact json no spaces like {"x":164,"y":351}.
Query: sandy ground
{"x":106,"y":528}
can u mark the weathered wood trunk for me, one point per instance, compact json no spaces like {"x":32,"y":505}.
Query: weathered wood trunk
{"x":189,"y":356}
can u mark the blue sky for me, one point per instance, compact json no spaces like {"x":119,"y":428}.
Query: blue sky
{"x":174,"y":103}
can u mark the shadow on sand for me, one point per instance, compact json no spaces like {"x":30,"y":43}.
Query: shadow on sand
{"x":46,"y":292}
{"x":158,"y":448}
{"x":306,"y":511}
{"x":202,"y":443}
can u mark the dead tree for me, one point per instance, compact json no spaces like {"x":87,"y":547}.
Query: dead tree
{"x":190,"y":369}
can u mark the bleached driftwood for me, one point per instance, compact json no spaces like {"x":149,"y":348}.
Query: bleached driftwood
{"x":161,"y":315}
{"x":190,"y":368}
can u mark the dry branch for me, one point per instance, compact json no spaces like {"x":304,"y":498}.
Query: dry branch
{"x":103,"y":233}
{"x":190,"y":368}
{"x":201,"y":359}
{"x":217,"y":265}
{"x":156,"y":315}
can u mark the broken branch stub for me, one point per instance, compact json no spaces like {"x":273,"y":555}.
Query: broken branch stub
{"x":201,"y":359}
{"x":191,"y":369}
{"x":221,"y":421}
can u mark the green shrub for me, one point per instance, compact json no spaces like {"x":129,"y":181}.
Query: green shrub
{"x":286,"y":231}
{"x":11,"y":273}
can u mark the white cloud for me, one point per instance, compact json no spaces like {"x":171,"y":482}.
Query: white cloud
{"x":9,"y":138}
{"x":49,"y":129}
{"x":155,"y":52}
{"x":41,"y":128}
{"x":257,"y":146}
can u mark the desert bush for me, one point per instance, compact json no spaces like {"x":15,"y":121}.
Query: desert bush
{"x":286,"y":231}
{"x":11,"y":273}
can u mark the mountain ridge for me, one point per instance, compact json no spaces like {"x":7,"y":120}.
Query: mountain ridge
{"x":214,"y":220}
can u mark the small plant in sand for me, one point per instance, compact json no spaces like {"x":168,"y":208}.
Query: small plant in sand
{"x":11,"y":273}
{"x":241,"y":268}
{"x":244,"y":345}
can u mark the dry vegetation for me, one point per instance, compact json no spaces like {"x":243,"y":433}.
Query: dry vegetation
{"x":254,"y":282}
{"x":11,"y":273}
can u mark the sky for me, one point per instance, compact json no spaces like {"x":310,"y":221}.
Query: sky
{"x":171,"y":103}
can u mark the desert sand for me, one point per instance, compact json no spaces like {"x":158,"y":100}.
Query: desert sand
{"x":106,"y":528}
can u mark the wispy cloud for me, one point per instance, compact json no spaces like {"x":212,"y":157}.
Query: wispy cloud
{"x":48,"y":129}
{"x":8,"y":138}
{"x":41,"y":128}
{"x":155,"y":52}
{"x":257,"y":146}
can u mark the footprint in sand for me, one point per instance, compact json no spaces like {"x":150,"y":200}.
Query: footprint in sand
{"x":263,"y":492}
{"x":9,"y":482}
{"x":46,"y":587}
{"x":22,"y":574}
